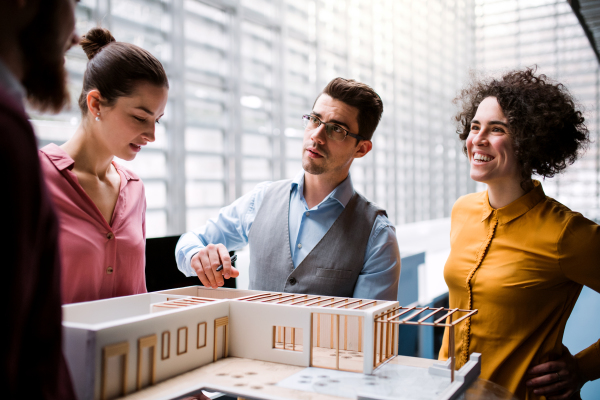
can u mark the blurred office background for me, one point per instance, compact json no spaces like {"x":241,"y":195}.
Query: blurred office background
{"x":242,"y":73}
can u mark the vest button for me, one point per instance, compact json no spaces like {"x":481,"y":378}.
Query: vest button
{"x":293,"y":281}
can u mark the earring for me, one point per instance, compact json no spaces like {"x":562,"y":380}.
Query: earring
{"x":98,"y":117}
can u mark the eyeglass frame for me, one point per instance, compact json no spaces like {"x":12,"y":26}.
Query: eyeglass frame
{"x":354,"y":135}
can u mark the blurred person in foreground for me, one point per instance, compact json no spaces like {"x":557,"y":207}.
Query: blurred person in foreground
{"x":34,"y":36}
{"x":518,"y":256}
{"x":101,"y":205}
{"x":312,"y":234}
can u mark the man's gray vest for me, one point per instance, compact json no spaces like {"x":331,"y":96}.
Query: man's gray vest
{"x":333,"y":265}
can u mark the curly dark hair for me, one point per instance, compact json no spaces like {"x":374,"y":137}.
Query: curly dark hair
{"x":546,"y":128}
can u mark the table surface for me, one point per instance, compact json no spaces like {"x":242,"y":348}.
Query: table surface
{"x":257,"y":379}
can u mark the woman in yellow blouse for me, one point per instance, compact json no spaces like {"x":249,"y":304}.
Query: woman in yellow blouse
{"x":519,"y":256}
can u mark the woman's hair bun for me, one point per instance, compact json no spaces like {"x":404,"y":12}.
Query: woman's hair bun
{"x":93,"y":41}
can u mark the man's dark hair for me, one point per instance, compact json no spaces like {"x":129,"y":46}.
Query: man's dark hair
{"x":546,"y":128}
{"x":116,"y":68}
{"x":361,"y":96}
{"x":45,"y":76}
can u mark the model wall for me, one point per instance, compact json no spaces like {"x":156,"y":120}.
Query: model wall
{"x":110,"y":310}
{"x":252,"y":331}
{"x":220,"y":293}
{"x":175,"y":364}
{"x":79,"y":350}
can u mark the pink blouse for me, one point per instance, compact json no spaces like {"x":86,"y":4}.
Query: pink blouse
{"x":98,"y":260}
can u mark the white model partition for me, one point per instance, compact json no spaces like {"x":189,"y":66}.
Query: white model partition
{"x":111,"y":310}
{"x":176,"y":345}
{"x":252,"y":332}
{"x":110,"y":358}
{"x":220,"y":293}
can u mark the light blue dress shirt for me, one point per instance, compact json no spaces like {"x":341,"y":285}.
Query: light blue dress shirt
{"x":381,"y":269}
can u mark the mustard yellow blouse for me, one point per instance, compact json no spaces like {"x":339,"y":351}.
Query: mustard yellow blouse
{"x":523,"y":267}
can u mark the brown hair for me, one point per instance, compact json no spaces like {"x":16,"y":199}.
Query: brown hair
{"x":45,"y":76}
{"x":361,"y":96}
{"x":546,"y":128}
{"x":115,"y":68}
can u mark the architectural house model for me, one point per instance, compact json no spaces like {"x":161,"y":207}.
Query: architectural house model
{"x":119,"y":346}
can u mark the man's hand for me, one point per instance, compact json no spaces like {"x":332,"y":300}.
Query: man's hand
{"x":557,"y":380}
{"x":206,"y":261}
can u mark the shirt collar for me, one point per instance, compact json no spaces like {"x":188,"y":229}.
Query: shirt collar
{"x":62,"y":161}
{"x":58,"y":157}
{"x":11,"y":84}
{"x":342,"y":193}
{"x":130,"y":176}
{"x":517,"y":208}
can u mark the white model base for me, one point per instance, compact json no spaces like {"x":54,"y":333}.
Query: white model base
{"x":416,"y":383}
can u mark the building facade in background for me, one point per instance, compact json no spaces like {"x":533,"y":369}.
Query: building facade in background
{"x":243,"y":72}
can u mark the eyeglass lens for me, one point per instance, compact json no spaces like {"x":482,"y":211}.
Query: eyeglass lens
{"x":333,"y":131}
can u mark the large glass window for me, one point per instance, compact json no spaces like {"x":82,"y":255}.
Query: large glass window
{"x":547,"y":34}
{"x":242,"y":74}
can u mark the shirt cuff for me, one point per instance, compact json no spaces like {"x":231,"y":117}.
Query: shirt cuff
{"x":589,"y":361}
{"x":187,"y":263}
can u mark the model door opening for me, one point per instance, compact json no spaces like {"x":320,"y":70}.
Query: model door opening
{"x":114,"y":371}
{"x":221,"y":342}
{"x":337,"y":342}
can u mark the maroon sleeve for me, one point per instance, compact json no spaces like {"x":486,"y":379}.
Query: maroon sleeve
{"x":31,"y":360}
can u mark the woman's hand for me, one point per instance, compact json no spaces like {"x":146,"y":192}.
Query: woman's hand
{"x":557,"y":380}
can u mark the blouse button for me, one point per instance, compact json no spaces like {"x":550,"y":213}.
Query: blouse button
{"x":110,"y":235}
{"x":109,"y":270}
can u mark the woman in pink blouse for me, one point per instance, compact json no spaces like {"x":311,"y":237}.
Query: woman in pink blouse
{"x":101,"y":205}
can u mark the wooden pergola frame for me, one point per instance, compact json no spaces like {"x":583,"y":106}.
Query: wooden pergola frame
{"x":388,"y":321}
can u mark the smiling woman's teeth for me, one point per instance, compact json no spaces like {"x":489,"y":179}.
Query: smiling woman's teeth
{"x":481,"y":157}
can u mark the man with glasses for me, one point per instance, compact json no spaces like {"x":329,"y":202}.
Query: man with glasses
{"x":313,"y":234}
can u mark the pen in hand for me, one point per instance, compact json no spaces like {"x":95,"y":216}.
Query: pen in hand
{"x":220,"y":267}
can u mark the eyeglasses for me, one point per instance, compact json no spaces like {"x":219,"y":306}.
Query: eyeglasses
{"x":333,"y":131}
